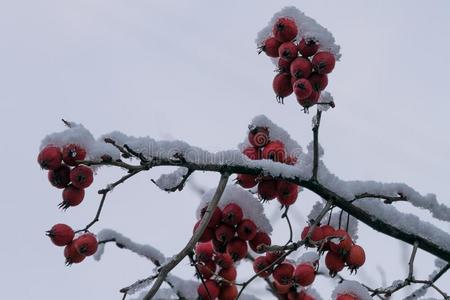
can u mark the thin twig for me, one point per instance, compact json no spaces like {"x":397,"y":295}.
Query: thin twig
{"x":387,"y":199}
{"x":316,"y":145}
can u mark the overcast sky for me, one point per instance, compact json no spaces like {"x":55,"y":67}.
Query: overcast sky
{"x":189,"y":70}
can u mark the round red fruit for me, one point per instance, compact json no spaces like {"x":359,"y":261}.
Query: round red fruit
{"x":275,"y":151}
{"x":282,"y":289}
{"x":204,"y":251}
{"x":309,"y":101}
{"x":246,"y":230}
{"x":232,"y":214}
{"x":207,"y":235}
{"x":285,"y":30}
{"x":356,"y":257}
{"x":283,"y":273}
{"x":61,"y":234}
{"x":284,"y":66}
{"x":218,"y":246}
{"x":207,"y":269}
{"x":72,"y":153}
{"x":267,"y":189}
{"x":261,"y":239}
{"x":60,"y":177}
{"x":216,"y":217}
{"x":72,"y":196}
{"x":317,"y":234}
{"x":228,"y":292}
{"x":210,"y":292}
{"x":346,"y":297}
{"x":237,"y":249}
{"x":307,"y":48}
{"x":287,"y":192}
{"x":323,"y":62}
{"x":81,"y":176}
{"x":301,"y":68}
{"x":259,"y":138}
{"x":273,"y":256}
{"x":86,"y":244}
{"x":50,"y":158}
{"x":318,"y":81}
{"x":246,"y":181}
{"x":304,"y":274}
{"x":282,"y":85}
{"x":302,"y":88}
{"x":344,"y":245}
{"x":288,"y":51}
{"x":334,"y":262}
{"x":259,"y":264}
{"x":223,"y":260}
{"x":270,"y":47}
{"x":72,"y":255}
{"x":327,"y":231}
{"x":228,"y":274}
{"x":224,"y":233}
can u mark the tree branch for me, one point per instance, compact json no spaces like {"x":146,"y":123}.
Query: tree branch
{"x":316,"y":145}
{"x":387,"y":199}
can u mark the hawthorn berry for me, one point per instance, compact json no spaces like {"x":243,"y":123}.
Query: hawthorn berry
{"x":323,"y":62}
{"x":285,"y":30}
{"x":232,"y":214}
{"x":356,"y":257}
{"x":246,"y":181}
{"x":72,"y":255}
{"x":267,"y":189}
{"x":228,"y":274}
{"x":282,"y":85}
{"x":302,"y":88}
{"x":237,"y":248}
{"x":72,"y":153}
{"x":59,"y":177}
{"x":288,"y":51}
{"x":246,"y":230}
{"x":50,"y":158}
{"x":261,"y":238}
{"x":216,"y":217}
{"x":228,"y":292}
{"x":316,"y":235}
{"x":307,"y":48}
{"x":327,"y":231}
{"x":81,"y":176}
{"x":259,"y":264}
{"x":312,"y":99}
{"x":218,"y":246}
{"x":284,"y":66}
{"x":224,"y":233}
{"x":258,"y":137}
{"x":287,"y":192}
{"x":72,"y":196}
{"x":204,"y":251}
{"x":61,"y":234}
{"x":283,"y":273}
{"x":207,"y":235}
{"x":210,"y":292}
{"x":318,"y":81}
{"x":270,"y":47}
{"x":86,"y":244}
{"x":275,"y":151}
{"x":301,"y":68}
{"x":304,"y":274}
{"x":272,"y":256}
{"x":223,"y":260}
{"x":346,"y":297}
{"x":344,"y":245}
{"x":282,"y":289}
{"x":334,"y":262}
{"x":207,"y":269}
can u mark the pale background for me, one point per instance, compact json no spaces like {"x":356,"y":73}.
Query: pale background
{"x":189,"y":70}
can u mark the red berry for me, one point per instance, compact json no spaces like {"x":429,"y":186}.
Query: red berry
{"x":287,"y":192}
{"x":72,"y":153}
{"x":356,"y":257}
{"x":86,"y":244}
{"x":207,"y":235}
{"x":318,"y":81}
{"x":237,"y":249}
{"x":72,"y":255}
{"x":302,"y":88}
{"x":304,"y":274}
{"x":232,"y":214}
{"x":50,"y":158}
{"x":327,"y":231}
{"x":316,"y":235}
{"x":224,"y":233}
{"x":259,"y":264}
{"x":246,"y":230}
{"x":218,"y":246}
{"x":283,"y":273}
{"x":216,"y":217}
{"x":323,"y":62}
{"x":210,"y":292}
{"x":275,"y":151}
{"x":223,"y":260}
{"x":284,"y":66}
{"x":258,"y":137}
{"x":59,"y":177}
{"x":72,"y":196}
{"x":309,"y":101}
{"x":285,"y":30}
{"x":288,"y":51}
{"x":228,"y":274}
{"x":270,"y":47}
{"x":290,"y":160}
{"x":334,"y":262}
{"x":273,"y":256}
{"x":261,"y":238}
{"x":282,"y":85}
{"x":282,"y":288}
{"x":81,"y":176}
{"x":207,"y":269}
{"x":228,"y":292}
{"x":204,"y":251}
{"x":246,"y":181}
{"x":267,"y":189}
{"x":346,"y":297}
{"x":305,"y":296}
{"x":344,"y":245}
{"x":307,"y":48}
{"x":61,"y":234}
{"x":301,"y":68}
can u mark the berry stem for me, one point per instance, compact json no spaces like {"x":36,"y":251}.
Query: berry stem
{"x":316,"y":145}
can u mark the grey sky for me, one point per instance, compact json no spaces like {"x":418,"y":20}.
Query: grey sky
{"x":189,"y":70}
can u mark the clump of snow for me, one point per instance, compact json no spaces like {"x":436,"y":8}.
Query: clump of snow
{"x":186,"y":288}
{"x":325,"y":100}
{"x":143,"y":250}
{"x":313,"y":293}
{"x":171,"y":180}
{"x":353,"y":288}
{"x":310,"y":257}
{"x":309,"y":29}
{"x":251,"y":207}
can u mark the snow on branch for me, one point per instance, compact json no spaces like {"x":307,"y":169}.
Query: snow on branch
{"x":173,"y":181}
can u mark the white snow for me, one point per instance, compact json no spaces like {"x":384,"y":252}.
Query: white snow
{"x":313,"y":292}
{"x":171,"y":180}
{"x":351,"y":287}
{"x":308,"y":29}
{"x":310,"y":257}
{"x":251,"y":207}
{"x":325,"y":97}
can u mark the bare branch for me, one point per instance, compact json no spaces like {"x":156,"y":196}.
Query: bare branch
{"x":387,"y":199}
{"x":316,"y":145}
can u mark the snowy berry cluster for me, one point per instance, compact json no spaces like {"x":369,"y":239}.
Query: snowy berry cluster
{"x":73,"y":181}
{"x":223,"y":243}
{"x":341,"y":249}
{"x":304,"y":75}
{"x":269,"y":188}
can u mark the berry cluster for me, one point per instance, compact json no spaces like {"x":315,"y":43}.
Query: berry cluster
{"x":304,"y":75}
{"x":269,"y":188}
{"x":60,"y":174}
{"x":223,"y":243}
{"x":73,"y":181}
{"x":341,"y":251}
{"x":76,"y":249}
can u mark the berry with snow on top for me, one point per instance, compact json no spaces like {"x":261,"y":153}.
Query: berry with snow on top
{"x":50,"y":158}
{"x":258,"y":137}
{"x":307,"y":48}
{"x":72,"y":153}
{"x":285,"y":30}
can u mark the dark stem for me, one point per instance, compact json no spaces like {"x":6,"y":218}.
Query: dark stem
{"x":316,"y":145}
